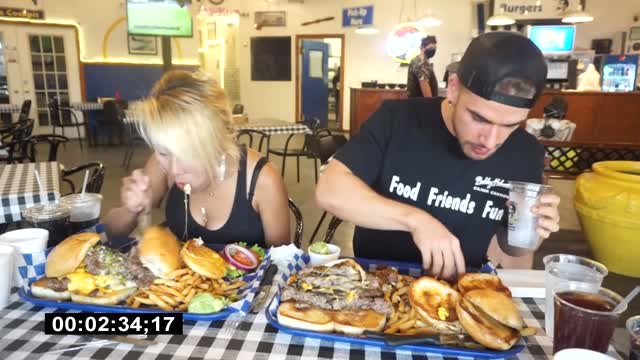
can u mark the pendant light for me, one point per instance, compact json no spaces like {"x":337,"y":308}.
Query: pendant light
{"x":367,"y":30}
{"x":577,"y":16}
{"x":500,"y":20}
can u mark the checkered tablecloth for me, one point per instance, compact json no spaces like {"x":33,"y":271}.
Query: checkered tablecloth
{"x":275,"y":127}
{"x":237,"y":337}
{"x":19,"y":188}
{"x":86,"y":106}
{"x":9,"y":108}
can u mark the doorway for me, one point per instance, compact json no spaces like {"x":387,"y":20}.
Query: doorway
{"x":319,"y":78}
{"x":40,"y":62}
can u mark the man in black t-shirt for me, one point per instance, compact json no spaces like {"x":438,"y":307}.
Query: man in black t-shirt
{"x":421,"y":79}
{"x":427,"y":179}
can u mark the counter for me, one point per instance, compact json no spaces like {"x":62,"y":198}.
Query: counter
{"x":599,"y":116}
{"x":365,"y":101}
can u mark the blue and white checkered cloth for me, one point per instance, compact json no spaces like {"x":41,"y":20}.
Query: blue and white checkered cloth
{"x":31,"y":266}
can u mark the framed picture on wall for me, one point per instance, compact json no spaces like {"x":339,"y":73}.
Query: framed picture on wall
{"x":270,"y":18}
{"x":143,"y":45}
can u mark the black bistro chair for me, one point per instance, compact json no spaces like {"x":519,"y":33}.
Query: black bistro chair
{"x":261,"y":138}
{"x":325,"y":148}
{"x":298,"y":232}
{"x":112,"y":120}
{"x":14,"y":147}
{"x":24,"y":111}
{"x":132,"y":138}
{"x":304,"y":150}
{"x":53,"y":142}
{"x":96,"y":177}
{"x":62,"y":116}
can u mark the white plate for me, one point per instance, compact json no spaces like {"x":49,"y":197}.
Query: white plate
{"x":523,"y":283}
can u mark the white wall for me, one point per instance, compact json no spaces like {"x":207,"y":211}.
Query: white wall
{"x":365,"y":57}
{"x":95,"y":17}
{"x":611,"y":18}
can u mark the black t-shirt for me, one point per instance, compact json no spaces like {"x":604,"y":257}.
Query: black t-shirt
{"x":406,"y":153}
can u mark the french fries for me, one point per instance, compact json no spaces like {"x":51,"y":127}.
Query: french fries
{"x":175,"y":292}
{"x":404,"y":320}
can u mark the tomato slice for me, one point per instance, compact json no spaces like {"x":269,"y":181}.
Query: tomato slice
{"x":242,"y":258}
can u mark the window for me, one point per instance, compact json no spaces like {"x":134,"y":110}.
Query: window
{"x":49,"y":73}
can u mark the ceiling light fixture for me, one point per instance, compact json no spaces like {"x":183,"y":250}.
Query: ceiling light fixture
{"x":429,"y":21}
{"x":577,"y":16}
{"x":367,"y":30}
{"x":500,"y":20}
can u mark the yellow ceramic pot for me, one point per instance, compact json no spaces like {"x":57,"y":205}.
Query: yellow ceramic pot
{"x":608,"y":205}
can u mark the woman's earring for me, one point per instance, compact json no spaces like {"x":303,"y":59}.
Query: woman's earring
{"x":222,"y":168}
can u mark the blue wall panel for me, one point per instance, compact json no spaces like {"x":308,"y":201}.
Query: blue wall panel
{"x":132,"y":81}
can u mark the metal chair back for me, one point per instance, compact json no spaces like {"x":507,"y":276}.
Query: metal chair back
{"x":299,"y":230}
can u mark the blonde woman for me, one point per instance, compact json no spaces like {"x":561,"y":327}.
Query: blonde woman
{"x":235,"y":194}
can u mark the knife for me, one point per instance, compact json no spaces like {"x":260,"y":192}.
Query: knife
{"x":460,"y":340}
{"x":264,"y":289}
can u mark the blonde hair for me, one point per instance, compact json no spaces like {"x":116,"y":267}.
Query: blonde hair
{"x":189,"y":114}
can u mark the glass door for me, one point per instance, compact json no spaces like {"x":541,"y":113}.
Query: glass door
{"x":11,"y":87}
{"x":45,"y":67}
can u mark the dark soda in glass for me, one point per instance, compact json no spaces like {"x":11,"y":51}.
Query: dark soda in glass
{"x":585,"y":320}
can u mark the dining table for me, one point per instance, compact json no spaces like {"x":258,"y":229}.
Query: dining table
{"x":9,"y":108}
{"x":19,"y":189}
{"x":239,"y":336}
{"x":274,"y":126}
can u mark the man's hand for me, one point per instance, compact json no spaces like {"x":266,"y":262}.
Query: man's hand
{"x":440,"y":249}
{"x":548,"y":215}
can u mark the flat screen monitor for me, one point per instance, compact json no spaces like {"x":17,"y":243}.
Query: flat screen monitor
{"x":553,"y":39}
{"x":159,"y":18}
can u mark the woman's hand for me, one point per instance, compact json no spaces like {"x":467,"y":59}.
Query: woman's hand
{"x":135,"y":192}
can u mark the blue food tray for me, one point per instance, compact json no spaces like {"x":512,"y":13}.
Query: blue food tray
{"x":27,"y":296}
{"x":407,"y":269}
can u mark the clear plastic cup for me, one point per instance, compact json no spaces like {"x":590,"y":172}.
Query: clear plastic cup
{"x":572,"y":271}
{"x":585,"y":319}
{"x":522,"y":222}
{"x":52,"y":217}
{"x":633,"y":325}
{"x":6,"y":269}
{"x":85,"y":210}
{"x":24,"y":241}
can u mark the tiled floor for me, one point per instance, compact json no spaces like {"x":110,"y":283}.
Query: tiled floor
{"x":569,"y":240}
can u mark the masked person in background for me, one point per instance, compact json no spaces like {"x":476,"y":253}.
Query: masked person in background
{"x":235,"y":194}
{"x":421,"y":80}
{"x":426,"y":179}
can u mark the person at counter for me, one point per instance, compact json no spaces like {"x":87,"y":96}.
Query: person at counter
{"x":215,"y":189}
{"x":426,"y":180}
{"x":421,"y":79}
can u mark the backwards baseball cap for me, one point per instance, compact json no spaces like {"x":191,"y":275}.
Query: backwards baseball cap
{"x":505,"y":67}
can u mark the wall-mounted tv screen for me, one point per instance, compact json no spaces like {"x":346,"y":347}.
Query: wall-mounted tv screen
{"x":553,"y":39}
{"x":159,"y":17}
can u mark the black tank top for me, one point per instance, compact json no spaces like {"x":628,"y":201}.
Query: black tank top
{"x":244,"y":223}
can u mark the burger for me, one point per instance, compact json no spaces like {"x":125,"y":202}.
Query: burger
{"x":80,"y":268}
{"x":158,"y":252}
{"x":336,"y":297}
{"x":84,"y":271}
{"x":435,"y":303}
{"x":475,"y":281}
{"x":490,"y":318}
{"x":202,"y":260}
